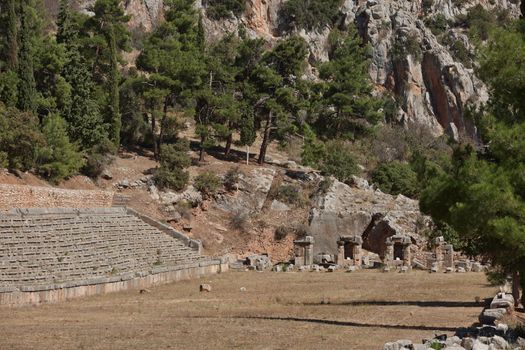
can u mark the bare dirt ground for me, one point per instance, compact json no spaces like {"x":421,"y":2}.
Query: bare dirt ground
{"x":358,"y":311}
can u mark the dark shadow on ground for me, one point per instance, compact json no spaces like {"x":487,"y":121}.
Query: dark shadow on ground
{"x":217,"y":152}
{"x":402,"y":303}
{"x":336,"y":323}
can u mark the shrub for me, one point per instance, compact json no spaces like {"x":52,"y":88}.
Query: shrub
{"x":324,"y":185}
{"x":4,"y":161}
{"x":438,"y":24}
{"x":407,"y":46}
{"x":59,"y":158}
{"x":174,"y":159}
{"x":98,"y":158}
{"x":231,"y":179}
{"x":396,"y":178}
{"x":290,"y":194}
{"x":339,"y":162}
{"x":19,"y":138}
{"x":281,"y":232}
{"x":207,"y":183}
{"x":310,"y":14}
{"x":221,"y":9}
{"x":175,"y":179}
{"x":240,"y":221}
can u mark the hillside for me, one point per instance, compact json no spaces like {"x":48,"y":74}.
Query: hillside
{"x":421,"y":50}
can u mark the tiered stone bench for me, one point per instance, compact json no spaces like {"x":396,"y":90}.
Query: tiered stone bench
{"x":50,"y":255}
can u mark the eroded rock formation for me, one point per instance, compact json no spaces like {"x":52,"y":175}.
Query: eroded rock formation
{"x":432,"y":90}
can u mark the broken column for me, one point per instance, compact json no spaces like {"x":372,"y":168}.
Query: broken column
{"x":448,"y":256}
{"x":438,"y":251}
{"x":304,"y":251}
{"x":349,"y":252}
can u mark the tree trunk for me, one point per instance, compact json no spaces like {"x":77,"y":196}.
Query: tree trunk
{"x":228,"y":147}
{"x":266,"y":139}
{"x":516,"y":287}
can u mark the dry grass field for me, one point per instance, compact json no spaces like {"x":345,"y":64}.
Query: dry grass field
{"x":361,"y":310}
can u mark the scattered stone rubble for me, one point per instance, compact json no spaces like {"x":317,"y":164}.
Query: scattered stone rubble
{"x":490,"y":336}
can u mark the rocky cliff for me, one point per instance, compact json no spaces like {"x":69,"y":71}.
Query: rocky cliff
{"x":432,"y":87}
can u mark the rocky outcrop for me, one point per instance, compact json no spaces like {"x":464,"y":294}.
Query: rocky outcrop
{"x":363,"y":211}
{"x":252,"y":192}
{"x":431,"y":89}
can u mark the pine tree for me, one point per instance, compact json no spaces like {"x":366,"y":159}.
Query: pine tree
{"x":59,"y":158}
{"x":27,"y":93}
{"x":348,"y":107}
{"x":85,"y":122}
{"x":12,"y":35}
{"x":110,"y":37}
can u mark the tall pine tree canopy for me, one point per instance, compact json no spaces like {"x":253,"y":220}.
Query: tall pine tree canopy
{"x":481,"y":194}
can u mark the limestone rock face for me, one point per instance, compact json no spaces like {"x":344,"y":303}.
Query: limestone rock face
{"x":363,"y":211}
{"x":432,"y":90}
{"x":252,"y":192}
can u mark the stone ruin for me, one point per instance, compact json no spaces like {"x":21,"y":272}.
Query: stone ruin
{"x":491,"y":335}
{"x":50,"y":255}
{"x":304,"y":251}
{"x":350,"y":251}
{"x":398,"y":251}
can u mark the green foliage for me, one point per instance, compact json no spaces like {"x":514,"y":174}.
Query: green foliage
{"x":221,"y":9}
{"x":19,"y":138}
{"x":396,"y":178}
{"x":27,"y":94}
{"x":207,"y":183}
{"x":290,"y":194}
{"x":310,"y":14}
{"x":339,"y":162}
{"x":59,"y":158}
{"x":348,"y":108}
{"x":174,"y":159}
{"x":407,"y":45}
{"x":232,"y":178}
{"x":437,"y":24}
{"x":109,"y":24}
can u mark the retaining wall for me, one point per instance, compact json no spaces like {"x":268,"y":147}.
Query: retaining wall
{"x":18,"y":196}
{"x":52,"y":294}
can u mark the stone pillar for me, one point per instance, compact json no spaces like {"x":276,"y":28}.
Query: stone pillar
{"x":448,"y":256}
{"x":340,"y":253}
{"x":389,"y":254}
{"x":407,"y":255}
{"x":357,"y":255}
{"x":309,"y":252}
{"x":304,"y":251}
{"x":438,"y":251}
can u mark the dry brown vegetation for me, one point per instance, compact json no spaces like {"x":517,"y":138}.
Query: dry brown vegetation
{"x":361,"y":310}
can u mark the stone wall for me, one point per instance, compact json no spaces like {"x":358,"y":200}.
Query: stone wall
{"x":54,"y":254}
{"x":16,"y":196}
{"x":111,"y":285}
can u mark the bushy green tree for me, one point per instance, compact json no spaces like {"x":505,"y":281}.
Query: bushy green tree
{"x":339,"y":162}
{"x":173,"y":58}
{"x":220,"y":9}
{"x":110,"y":37}
{"x":85,"y":122}
{"x":59,"y":158}
{"x":348,"y":108}
{"x":396,"y":178}
{"x":20,"y":138}
{"x":481,"y":194}
{"x":27,"y":93}
{"x":174,"y":159}
{"x":310,"y":14}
